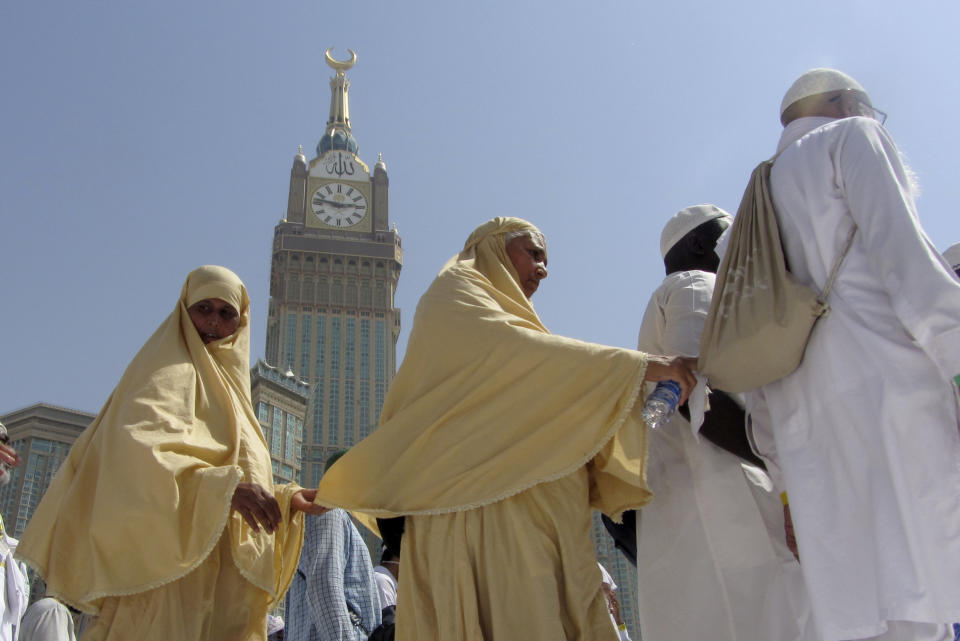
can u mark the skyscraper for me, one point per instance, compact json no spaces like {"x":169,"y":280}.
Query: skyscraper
{"x":42,"y":435}
{"x":334,"y":271}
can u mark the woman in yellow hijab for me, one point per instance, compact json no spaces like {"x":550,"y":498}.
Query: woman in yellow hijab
{"x":495,"y":441}
{"x":162,"y":520}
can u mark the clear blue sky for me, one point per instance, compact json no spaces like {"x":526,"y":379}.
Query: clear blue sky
{"x":142,"y":139}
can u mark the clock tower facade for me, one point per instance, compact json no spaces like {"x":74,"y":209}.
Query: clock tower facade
{"x":334,"y":271}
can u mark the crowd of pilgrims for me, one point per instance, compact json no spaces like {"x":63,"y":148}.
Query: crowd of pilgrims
{"x":824,"y":506}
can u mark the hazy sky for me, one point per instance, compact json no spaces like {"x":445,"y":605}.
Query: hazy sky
{"x":142,"y":139}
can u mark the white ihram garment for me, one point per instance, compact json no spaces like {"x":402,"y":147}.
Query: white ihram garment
{"x":386,"y":586}
{"x":712,"y":561}
{"x":866,"y":429}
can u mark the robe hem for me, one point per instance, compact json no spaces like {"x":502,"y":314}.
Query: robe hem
{"x":84,"y":606}
{"x":617,"y":424}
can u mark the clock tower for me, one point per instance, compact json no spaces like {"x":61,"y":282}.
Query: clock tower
{"x":334,"y":271}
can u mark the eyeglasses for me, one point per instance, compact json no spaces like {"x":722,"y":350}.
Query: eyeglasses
{"x":864,"y":108}
{"x":868,"y":110}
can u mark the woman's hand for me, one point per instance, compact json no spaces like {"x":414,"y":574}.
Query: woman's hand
{"x":678,"y":369}
{"x":257,"y":507}
{"x":303,"y":501}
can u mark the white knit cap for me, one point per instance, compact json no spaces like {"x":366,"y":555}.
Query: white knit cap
{"x":685,"y":221}
{"x":952,"y":255}
{"x":818,"y":81}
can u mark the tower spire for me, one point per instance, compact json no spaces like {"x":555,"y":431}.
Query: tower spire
{"x":338,"y":135}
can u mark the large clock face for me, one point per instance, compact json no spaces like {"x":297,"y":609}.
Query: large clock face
{"x":338,"y":204}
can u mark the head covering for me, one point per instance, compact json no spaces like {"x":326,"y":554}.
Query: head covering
{"x":817,"y":81}
{"x":685,"y":221}
{"x":149,"y":483}
{"x":488,"y":403}
{"x":952,"y":256}
{"x":486,"y":251}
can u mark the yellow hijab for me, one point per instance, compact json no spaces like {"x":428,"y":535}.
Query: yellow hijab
{"x":144,"y":495}
{"x":488,"y":403}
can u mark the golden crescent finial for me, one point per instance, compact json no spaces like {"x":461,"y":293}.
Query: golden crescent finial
{"x":341,"y":65}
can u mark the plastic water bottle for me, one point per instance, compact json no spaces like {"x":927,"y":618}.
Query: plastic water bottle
{"x":661,"y":404}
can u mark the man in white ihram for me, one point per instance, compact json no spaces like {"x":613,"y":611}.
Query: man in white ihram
{"x":865,"y":431}
{"x":14,"y":589}
{"x":712,"y":557}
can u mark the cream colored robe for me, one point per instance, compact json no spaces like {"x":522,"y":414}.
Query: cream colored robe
{"x":496,"y":440}
{"x":136,"y":526}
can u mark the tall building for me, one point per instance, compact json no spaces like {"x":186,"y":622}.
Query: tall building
{"x":334,"y":271}
{"x":623,"y":572}
{"x":280,"y":400}
{"x":42,"y":435}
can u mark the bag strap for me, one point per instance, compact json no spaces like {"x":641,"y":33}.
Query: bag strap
{"x":828,"y":287}
{"x":836,"y":266}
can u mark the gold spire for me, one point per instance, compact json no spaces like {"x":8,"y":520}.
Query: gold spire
{"x":339,"y":103}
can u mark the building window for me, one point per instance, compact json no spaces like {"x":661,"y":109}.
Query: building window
{"x":318,"y":412}
{"x":323,"y":291}
{"x":336,"y":295}
{"x":307,"y":289}
{"x":380,"y":300}
{"x":289,"y":340}
{"x":263,"y":413}
{"x":380,"y":387}
{"x":289,"y":441}
{"x":334,"y":416}
{"x":306,"y":332}
{"x":276,"y":444}
{"x":293,"y":289}
{"x":321,"y":346}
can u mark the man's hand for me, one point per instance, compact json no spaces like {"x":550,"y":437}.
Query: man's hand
{"x":8,"y":455}
{"x":257,"y":507}
{"x":303,"y":501}
{"x":613,"y":604}
{"x":677,"y":369}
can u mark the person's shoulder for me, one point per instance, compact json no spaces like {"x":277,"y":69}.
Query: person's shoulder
{"x":687,"y":279}
{"x":859,"y":127}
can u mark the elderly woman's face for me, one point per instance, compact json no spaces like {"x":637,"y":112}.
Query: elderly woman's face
{"x":214,"y":319}
{"x":529,"y":257}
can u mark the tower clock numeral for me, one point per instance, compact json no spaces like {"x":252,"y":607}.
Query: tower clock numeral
{"x":339,"y":204}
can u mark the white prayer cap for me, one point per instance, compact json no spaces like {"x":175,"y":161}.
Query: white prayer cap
{"x":685,"y":221}
{"x":952,"y":255}
{"x":818,"y":81}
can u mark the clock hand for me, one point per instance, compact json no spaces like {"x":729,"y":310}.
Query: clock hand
{"x":330,"y":202}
